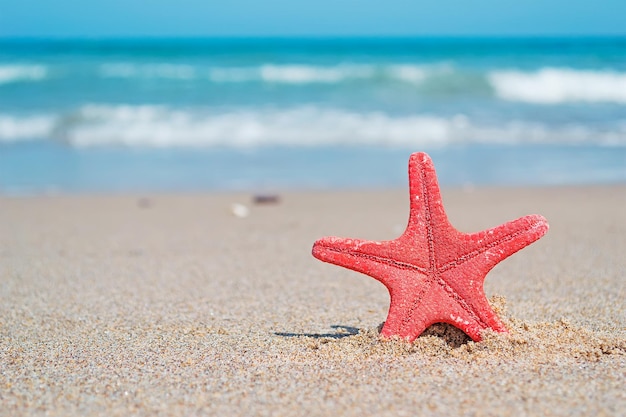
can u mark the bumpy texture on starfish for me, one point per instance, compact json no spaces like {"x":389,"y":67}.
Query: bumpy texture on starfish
{"x":433,"y":272}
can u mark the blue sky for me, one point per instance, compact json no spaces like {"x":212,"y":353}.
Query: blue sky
{"x":114,"y":18}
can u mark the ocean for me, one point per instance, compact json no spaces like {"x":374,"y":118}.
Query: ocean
{"x":130,"y":115}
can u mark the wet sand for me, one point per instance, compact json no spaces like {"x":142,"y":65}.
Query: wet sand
{"x":172,"y":305}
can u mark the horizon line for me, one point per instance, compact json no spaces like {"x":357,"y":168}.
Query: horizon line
{"x":313,"y":37}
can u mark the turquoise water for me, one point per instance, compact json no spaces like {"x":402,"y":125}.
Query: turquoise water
{"x":202,"y":114}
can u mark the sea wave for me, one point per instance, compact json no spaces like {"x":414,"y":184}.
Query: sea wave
{"x":560,"y":85}
{"x":161,"y":126}
{"x":544,"y":86}
{"x":20,"y":73}
{"x":275,"y":73}
{"x":127,"y":70}
{"x":302,"y":74}
{"x":290,"y":74}
{"x":15,"y":128}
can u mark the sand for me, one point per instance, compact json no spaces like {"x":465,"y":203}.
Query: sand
{"x":171,"y":305}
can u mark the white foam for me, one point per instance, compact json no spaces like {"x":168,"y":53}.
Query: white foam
{"x":233,"y":75}
{"x":558,"y":85}
{"x":306,"y":126}
{"x":303,"y":74}
{"x":273,"y":73}
{"x":17,"y":73}
{"x":126,"y":70}
{"x":292,"y":73}
{"x":159,"y":126}
{"x":300,"y":74}
{"x":13,"y":128}
{"x":408,"y":73}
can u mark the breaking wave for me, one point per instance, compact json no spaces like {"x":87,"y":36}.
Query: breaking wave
{"x":13,"y":129}
{"x":20,"y":73}
{"x":547,"y":86}
{"x":560,"y":85}
{"x":544,"y":86}
{"x":160,"y":126}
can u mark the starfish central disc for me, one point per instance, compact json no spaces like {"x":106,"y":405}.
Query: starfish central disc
{"x":433,"y":272}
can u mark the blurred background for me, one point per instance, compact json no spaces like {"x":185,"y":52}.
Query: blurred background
{"x":193,"y":95}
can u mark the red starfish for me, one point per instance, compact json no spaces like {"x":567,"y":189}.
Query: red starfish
{"x":433,"y":272}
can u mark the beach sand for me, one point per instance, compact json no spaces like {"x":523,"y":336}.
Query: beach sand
{"x":171,"y":305}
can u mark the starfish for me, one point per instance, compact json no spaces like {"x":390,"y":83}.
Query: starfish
{"x":433,"y":272}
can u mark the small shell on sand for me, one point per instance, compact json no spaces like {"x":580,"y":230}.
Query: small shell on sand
{"x":240,"y":210}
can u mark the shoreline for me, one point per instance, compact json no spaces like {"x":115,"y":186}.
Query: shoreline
{"x":154,"y":303}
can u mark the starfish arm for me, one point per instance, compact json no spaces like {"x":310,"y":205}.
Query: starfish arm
{"x":428,"y":220}
{"x":472,"y":322}
{"x":398,"y":324}
{"x":412,"y":310}
{"x":368,"y":257}
{"x":467,"y":306}
{"x":486,"y":249}
{"x":408,"y":314}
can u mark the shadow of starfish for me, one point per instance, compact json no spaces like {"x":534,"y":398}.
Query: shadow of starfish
{"x":343,"y":331}
{"x":451,"y":335}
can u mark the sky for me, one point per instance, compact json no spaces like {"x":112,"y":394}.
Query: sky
{"x":193,"y":18}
